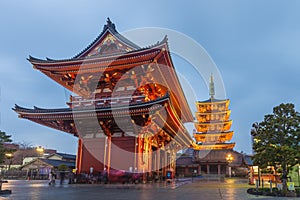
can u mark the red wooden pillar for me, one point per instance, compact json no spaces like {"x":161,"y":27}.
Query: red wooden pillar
{"x":108,"y":153}
{"x":79,"y":156}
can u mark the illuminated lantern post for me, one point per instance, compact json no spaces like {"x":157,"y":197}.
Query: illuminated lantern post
{"x":9,"y":156}
{"x":229,"y":159}
{"x":40,"y":150}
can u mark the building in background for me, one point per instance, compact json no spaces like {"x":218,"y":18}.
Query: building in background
{"x":34,"y":162}
{"x":213,"y":154}
{"x":39,"y":168}
{"x":19,"y":155}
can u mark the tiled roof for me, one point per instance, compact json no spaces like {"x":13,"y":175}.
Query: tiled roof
{"x":219,"y":156}
{"x":35,"y":110}
{"x":184,"y":160}
{"x":56,"y":163}
{"x":109,"y":26}
{"x":112,"y":56}
{"x":52,"y":162}
{"x":212,"y":100}
{"x":67,"y":156}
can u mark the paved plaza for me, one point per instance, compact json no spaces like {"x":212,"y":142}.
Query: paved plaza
{"x":231,"y":189}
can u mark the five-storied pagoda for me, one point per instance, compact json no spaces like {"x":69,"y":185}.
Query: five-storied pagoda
{"x":212,"y":123}
{"x":128,"y":109}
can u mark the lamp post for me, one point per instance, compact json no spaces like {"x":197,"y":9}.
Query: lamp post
{"x":229,"y":159}
{"x":40,"y":150}
{"x":9,"y":156}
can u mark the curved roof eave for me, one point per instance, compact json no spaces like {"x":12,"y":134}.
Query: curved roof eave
{"x":37,"y":110}
{"x":108,"y":27}
{"x":38,"y":61}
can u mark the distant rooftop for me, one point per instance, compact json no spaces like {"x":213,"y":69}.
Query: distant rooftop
{"x":66,"y":156}
{"x":56,"y":163}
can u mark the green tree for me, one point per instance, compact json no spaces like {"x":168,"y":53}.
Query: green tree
{"x":277,"y":140}
{"x":63,"y":167}
{"x":3,"y":139}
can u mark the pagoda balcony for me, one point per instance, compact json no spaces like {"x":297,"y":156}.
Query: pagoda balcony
{"x":213,"y":146}
{"x":212,"y":106}
{"x":213,"y":117}
{"x":213,"y":137}
{"x":213,"y":127}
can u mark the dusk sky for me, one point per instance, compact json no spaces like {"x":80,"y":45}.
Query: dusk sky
{"x":255,"y":44}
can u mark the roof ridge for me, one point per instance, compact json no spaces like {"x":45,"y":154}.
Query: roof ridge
{"x":111,"y":27}
{"x":50,"y":60}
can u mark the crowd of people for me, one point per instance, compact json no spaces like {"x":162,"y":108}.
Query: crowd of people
{"x":62,"y":175}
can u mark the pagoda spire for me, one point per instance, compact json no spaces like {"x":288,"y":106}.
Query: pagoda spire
{"x":212,"y":87}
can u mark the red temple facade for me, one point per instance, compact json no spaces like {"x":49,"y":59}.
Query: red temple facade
{"x":128,"y":109}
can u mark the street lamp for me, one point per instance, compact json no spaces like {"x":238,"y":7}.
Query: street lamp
{"x":40,"y":150}
{"x":9,"y":156}
{"x":229,"y":159}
